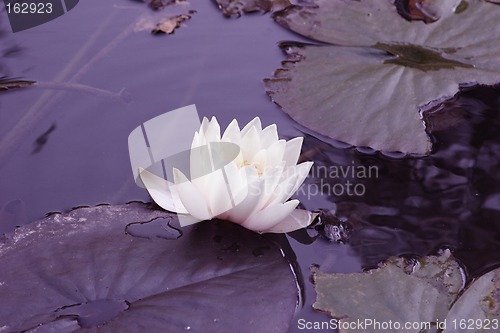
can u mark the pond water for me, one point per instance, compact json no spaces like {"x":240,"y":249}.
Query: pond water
{"x":67,"y":147}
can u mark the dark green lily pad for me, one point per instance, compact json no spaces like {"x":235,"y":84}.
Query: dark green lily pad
{"x":477,"y":310}
{"x":81,"y":271}
{"x":370,"y":87}
{"x":399,"y":291}
{"x":428,"y":290}
{"x":238,"y":7}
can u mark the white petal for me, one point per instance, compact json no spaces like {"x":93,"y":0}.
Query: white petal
{"x":270,"y":216}
{"x":254,"y":123}
{"x":160,"y":190}
{"x":218,"y":193}
{"x":272,"y":178}
{"x":250,"y":144}
{"x":204,"y":126}
{"x":292,"y":151}
{"x":199,"y":166}
{"x":284,"y":190}
{"x":237,"y":182}
{"x":254,"y":190}
{"x":269,"y":136}
{"x":191,"y":197}
{"x":303,"y":170}
{"x":232,"y":133}
{"x":275,"y":153}
{"x":297,"y":220}
{"x":260,"y":160}
{"x":212,"y":133}
{"x":296,"y":176}
{"x":196,"y":140}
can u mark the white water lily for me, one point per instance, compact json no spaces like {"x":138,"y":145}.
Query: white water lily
{"x":262,"y":177}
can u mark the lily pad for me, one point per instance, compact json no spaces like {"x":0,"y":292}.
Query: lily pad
{"x":369,"y":87}
{"x":478,"y":309}
{"x":81,"y":271}
{"x":420,"y":291}
{"x":238,"y":7}
{"x":398,"y":292}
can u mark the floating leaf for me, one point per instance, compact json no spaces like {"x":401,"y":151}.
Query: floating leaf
{"x":160,"y":4}
{"x":478,"y":309}
{"x":81,"y":269}
{"x":399,"y":291}
{"x":168,"y":17}
{"x":168,"y":26}
{"x":368,"y":88}
{"x":239,"y":7}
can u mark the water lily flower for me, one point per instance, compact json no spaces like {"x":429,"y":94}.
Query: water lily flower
{"x":262,"y":177}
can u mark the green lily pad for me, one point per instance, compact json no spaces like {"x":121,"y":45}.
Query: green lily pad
{"x":477,"y":310}
{"x":397,"y":292}
{"x":238,"y":7}
{"x":370,"y":87}
{"x":428,"y":292}
{"x":81,"y":271}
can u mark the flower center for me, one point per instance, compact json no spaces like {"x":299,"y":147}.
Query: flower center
{"x":260,"y":169}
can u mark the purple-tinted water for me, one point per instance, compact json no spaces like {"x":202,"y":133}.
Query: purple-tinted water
{"x":71,"y":149}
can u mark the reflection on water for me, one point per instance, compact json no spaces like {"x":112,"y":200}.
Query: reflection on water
{"x":412,"y":206}
{"x":415,"y":206}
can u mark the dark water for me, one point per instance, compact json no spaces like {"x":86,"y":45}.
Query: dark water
{"x":415,"y":206}
{"x":66,"y":148}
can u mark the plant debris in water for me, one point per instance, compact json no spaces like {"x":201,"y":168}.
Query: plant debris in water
{"x":369,"y":88}
{"x":168,"y":17}
{"x":402,"y":291}
{"x":168,"y":26}
{"x":9,"y":84}
{"x":239,"y":7}
{"x":81,"y":269}
{"x":418,"y":10}
{"x":42,"y":140}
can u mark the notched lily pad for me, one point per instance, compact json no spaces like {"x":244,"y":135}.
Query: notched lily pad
{"x":380,"y":72}
{"x":478,"y":308}
{"x":399,"y":291}
{"x":81,"y":269}
{"x":428,"y":290}
{"x":159,"y":227}
{"x":239,"y":7}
